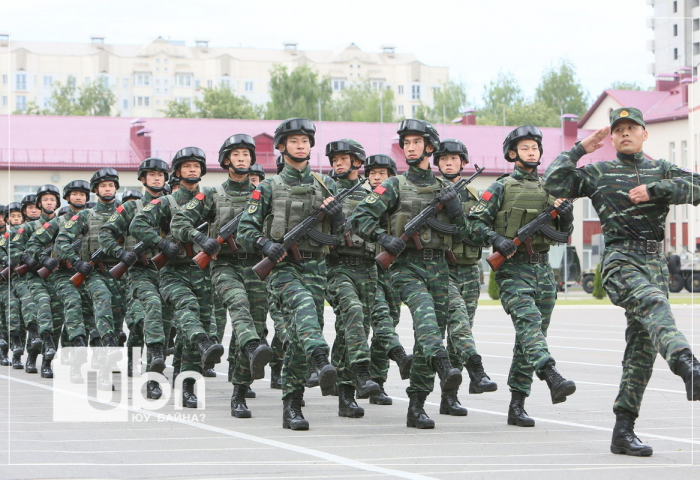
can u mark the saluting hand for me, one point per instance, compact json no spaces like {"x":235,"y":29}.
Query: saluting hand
{"x":595,"y":140}
{"x":639,"y":194}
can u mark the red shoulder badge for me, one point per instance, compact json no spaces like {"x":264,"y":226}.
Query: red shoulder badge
{"x":20,"y":230}
{"x":379,"y":190}
{"x":255,"y":195}
{"x":46,"y":225}
{"x":155,"y":201}
{"x":200,"y":196}
{"x":486,"y":196}
{"x":7,"y":235}
{"x":120,"y":209}
{"x":74,"y":217}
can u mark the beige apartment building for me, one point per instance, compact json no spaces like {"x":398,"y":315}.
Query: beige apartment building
{"x":676,"y":42}
{"x":145,"y":78}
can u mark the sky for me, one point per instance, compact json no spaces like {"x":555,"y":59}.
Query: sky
{"x":606,"y":40}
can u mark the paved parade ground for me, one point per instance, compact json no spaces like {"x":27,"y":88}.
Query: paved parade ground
{"x":570,"y":440}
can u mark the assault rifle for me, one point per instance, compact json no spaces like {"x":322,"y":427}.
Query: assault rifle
{"x":305,"y":229}
{"x":44,"y":272}
{"x":225,"y":235}
{"x":120,"y":268}
{"x":426,"y":217}
{"x":526,"y":232}
{"x":95,"y":261}
{"x":161,"y":259}
{"x":23,"y":269}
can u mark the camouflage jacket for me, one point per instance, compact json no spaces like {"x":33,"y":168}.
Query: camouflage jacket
{"x":76,"y":226}
{"x":117,"y":227}
{"x":184,"y":223}
{"x":260,"y":203}
{"x":46,"y":235}
{"x":18,"y":241}
{"x":385,"y":199}
{"x":155,"y":217}
{"x":608,"y":183}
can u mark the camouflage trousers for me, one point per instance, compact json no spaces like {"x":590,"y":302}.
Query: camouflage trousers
{"x":144,"y":287}
{"x":219,"y":318}
{"x":9,"y":307}
{"x":108,"y":302}
{"x":639,"y":284}
{"x":464,"y":297}
{"x":528,"y":293}
{"x":386,"y":311}
{"x":27,"y":311}
{"x":280,"y":340}
{"x":187,"y":290}
{"x":300,"y":288}
{"x":243,"y":294}
{"x":73,"y":304}
{"x":423,"y":286}
{"x":49,"y":311}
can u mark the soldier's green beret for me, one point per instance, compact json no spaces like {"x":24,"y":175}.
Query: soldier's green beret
{"x":626,"y":113}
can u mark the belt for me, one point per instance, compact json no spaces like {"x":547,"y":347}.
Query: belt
{"x":542,"y":257}
{"x":426,"y":253}
{"x":306,"y":255}
{"x":640,"y":244}
{"x":351,"y":260}
{"x":241,"y":256}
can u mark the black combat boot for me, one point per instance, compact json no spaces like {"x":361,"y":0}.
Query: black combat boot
{"x":17,"y":344}
{"x":516,"y":411}
{"x":398,"y":354}
{"x":34,"y":339}
{"x":347,"y":406}
{"x":30,"y":366}
{"x":17,"y":361}
{"x":449,"y":405}
{"x":259,"y":355}
{"x":4,"y":349}
{"x":153,"y":390}
{"x":559,"y":387}
{"x":250,"y":393}
{"x":189,"y":399}
{"x":276,"y":377}
{"x":292,"y":417}
{"x":311,"y":377}
{"x":157,"y":360}
{"x":80,"y":352}
{"x":327,"y":374}
{"x":211,"y":352}
{"x":49,"y":350}
{"x":46,"y":371}
{"x":209,"y":372}
{"x":122,"y":339}
{"x":365,"y":386}
{"x":239,"y":409}
{"x":450,"y":378}
{"x":688,"y":368}
{"x":624,"y":441}
{"x":479,"y":381}
{"x":381,"y":398}
{"x":114,"y":354}
{"x":417,"y":417}
{"x":176,"y":372}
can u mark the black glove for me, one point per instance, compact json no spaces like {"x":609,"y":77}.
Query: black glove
{"x":393,"y":245}
{"x":566,"y":213}
{"x":28,"y":260}
{"x":333,"y":208}
{"x":85,"y":268}
{"x":169,"y":249}
{"x":503,"y":245}
{"x":50,"y":263}
{"x":273,"y":251}
{"x":208,"y":244}
{"x":127,"y":257}
{"x":450,"y":199}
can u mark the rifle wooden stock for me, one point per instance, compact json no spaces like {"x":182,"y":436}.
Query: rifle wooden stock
{"x":496,"y":259}
{"x":119,"y":270}
{"x":78,"y":279}
{"x":202,"y":259}
{"x":160,"y":260}
{"x":263,"y":268}
{"x":22,"y":270}
{"x":44,"y":272}
{"x":5,"y":273}
{"x":385,"y":259}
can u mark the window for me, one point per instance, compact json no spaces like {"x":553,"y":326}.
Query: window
{"x":142,"y":80}
{"x":22,"y":191}
{"x":87,"y":81}
{"x":125,"y":83}
{"x":413,"y":110}
{"x":226,"y":83}
{"x":183,"y":80}
{"x":157,"y":60}
{"x":672,"y":152}
{"x":142,"y":101}
{"x":46,"y":102}
{"x":338,"y":85}
{"x":400,"y":89}
{"x":48,"y":80}
{"x":684,"y":154}
{"x":675,"y":30}
{"x":104,"y":79}
{"x":4,"y":79}
{"x":675,"y":7}
{"x":400,"y":109}
{"x":696,"y":48}
{"x":209,"y":83}
{"x":377,"y":85}
{"x":21,"y":81}
{"x":436,"y":90}
{"x":196,"y":84}
{"x":4,"y":101}
{"x":71,"y":81}
{"x":248,"y":86}
{"x":125,"y":104}
{"x":415,"y":92}
{"x":696,"y":24}
{"x":185,"y":100}
{"x":586,"y":259}
{"x":21,"y":104}
{"x":675,"y":54}
{"x":589,"y":212}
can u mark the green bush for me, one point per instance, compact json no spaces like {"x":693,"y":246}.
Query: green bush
{"x":494,"y":291}
{"x":598,"y":291}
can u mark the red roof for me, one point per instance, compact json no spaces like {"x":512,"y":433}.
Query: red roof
{"x":59,"y":142}
{"x":655,"y":106}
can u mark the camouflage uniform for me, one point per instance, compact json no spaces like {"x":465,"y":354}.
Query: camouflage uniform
{"x":387,"y":308}
{"x":300,"y":286}
{"x":634,"y":279}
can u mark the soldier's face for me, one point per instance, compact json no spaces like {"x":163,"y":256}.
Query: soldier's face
{"x":413,"y":146}
{"x":297,"y":145}
{"x":190,"y":170}
{"x":377,"y":175}
{"x":32,"y":211}
{"x":77,"y":198}
{"x":528,"y":150}
{"x":239,"y":158}
{"x":2,"y":221}
{"x":107,"y":189}
{"x":254,"y":179}
{"x":341,"y":162}
{"x":155,"y":178}
{"x":450,"y":164}
{"x":16,"y":218}
{"x":628,"y":137}
{"x":48,"y":202}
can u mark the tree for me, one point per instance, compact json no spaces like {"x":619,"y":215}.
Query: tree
{"x":95,"y":99}
{"x":221,"y":102}
{"x":494,"y":291}
{"x":561,"y":91}
{"x":360,"y":102}
{"x":449,"y":101}
{"x":297,"y":94}
{"x":617,"y":85}
{"x":598,"y":290}
{"x":92,"y":99}
{"x":179,"y":109}
{"x":504,"y":91}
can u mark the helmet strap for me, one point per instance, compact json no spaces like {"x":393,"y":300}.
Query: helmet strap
{"x":153,"y":189}
{"x":77,"y":206}
{"x":192,"y":180}
{"x":416,"y":161}
{"x":106,"y":198}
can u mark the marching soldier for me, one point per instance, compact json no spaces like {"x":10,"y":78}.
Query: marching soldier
{"x":420,"y":275}
{"x":528,"y":291}
{"x":632,"y":196}
{"x":257,"y":174}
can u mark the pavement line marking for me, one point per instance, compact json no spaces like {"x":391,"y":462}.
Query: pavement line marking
{"x":566,"y":468}
{"x":577,"y":363}
{"x":329,"y":457}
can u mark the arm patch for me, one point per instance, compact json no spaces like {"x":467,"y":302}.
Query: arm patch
{"x":155,"y":201}
{"x":74,"y":218}
{"x":486,"y":196}
{"x":255,"y":195}
{"x":379,"y":190}
{"x":200,"y":196}
{"x":120,"y":209}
